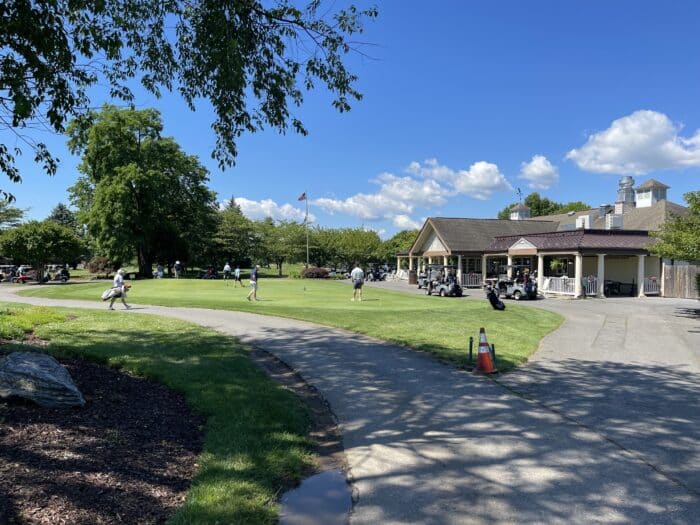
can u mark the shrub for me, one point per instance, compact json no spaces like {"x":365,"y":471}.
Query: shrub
{"x":99,"y":265}
{"x":697,"y":283}
{"x":314,"y":273}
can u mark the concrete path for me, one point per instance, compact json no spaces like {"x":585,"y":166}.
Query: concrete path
{"x":430,"y":444}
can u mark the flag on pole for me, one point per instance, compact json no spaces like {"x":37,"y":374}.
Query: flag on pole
{"x":302,"y":197}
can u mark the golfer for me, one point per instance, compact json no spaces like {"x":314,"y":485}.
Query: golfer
{"x":237,"y":277}
{"x":357,"y":276}
{"x":119,"y":289}
{"x":253,"y":283}
{"x":227,"y":272}
{"x":177,"y":269}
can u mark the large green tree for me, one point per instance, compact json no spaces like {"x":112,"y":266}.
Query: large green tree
{"x":251,"y":60}
{"x":234,"y":235}
{"x":39,"y":243}
{"x":278,"y":243}
{"x":139,"y":193}
{"x":63,"y":215}
{"x":679,"y":238}
{"x":400,"y":242}
{"x":357,"y":245}
{"x":540,"y":206}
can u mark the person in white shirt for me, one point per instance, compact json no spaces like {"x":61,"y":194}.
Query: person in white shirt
{"x":119,"y":289}
{"x":357,"y":276}
{"x":227,"y":272}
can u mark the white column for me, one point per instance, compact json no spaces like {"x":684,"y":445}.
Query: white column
{"x":459,"y":269}
{"x":640,"y":275}
{"x":430,"y":260}
{"x":663,"y":276}
{"x":601,"y":275}
{"x":540,"y":271}
{"x":444,"y":260}
{"x":410,"y":263}
{"x":484,"y":265}
{"x":578,"y":275}
{"x":510,"y":270}
{"x":398,"y":264}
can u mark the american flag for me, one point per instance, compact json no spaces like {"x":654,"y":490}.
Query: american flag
{"x":302,"y":197}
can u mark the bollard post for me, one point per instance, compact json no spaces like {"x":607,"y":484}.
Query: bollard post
{"x":471,"y":347}
{"x":493,"y":353}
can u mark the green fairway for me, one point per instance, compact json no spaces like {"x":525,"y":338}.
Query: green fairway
{"x":256,"y":441}
{"x":441,"y":326}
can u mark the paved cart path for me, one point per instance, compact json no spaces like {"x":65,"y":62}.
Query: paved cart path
{"x":430,"y":444}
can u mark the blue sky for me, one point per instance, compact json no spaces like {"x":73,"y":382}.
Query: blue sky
{"x":465,"y":101}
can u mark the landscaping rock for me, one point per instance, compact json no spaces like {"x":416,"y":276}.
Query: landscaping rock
{"x":39,"y":378}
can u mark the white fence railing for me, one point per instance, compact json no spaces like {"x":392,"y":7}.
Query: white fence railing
{"x":472,"y":280}
{"x":559,"y":285}
{"x":590,"y":285}
{"x":652,"y":286}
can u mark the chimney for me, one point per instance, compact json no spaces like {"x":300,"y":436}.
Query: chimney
{"x":625,"y":194}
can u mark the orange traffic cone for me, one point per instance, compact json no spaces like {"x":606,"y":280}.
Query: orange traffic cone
{"x":484,"y":363}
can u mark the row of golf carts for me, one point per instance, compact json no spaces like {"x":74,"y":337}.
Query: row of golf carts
{"x":441,"y":280}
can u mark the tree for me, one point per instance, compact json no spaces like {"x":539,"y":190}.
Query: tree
{"x":357,"y":245}
{"x":284,"y":242}
{"x":543,"y":206}
{"x":39,"y":243}
{"x":400,"y":242}
{"x":250,"y":59}
{"x":9,"y":215}
{"x":140,"y":194}
{"x":679,"y":238}
{"x":62,"y":215}
{"x":234,"y":235}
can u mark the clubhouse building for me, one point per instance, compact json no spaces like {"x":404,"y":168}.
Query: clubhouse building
{"x":596,"y":252}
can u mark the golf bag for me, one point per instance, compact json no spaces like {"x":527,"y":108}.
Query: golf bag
{"x":115,"y":293}
{"x":496,"y":303}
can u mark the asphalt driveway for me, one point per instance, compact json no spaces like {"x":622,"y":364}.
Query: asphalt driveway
{"x":570,"y":438}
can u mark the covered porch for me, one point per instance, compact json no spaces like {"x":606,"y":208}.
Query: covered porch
{"x":586,"y":263}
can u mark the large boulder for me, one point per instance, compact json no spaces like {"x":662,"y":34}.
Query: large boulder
{"x":40,"y":378}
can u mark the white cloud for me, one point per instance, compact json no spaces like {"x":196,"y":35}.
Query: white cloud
{"x":480,"y":181}
{"x":405,"y":222}
{"x":396,"y":196}
{"x":269,"y":208}
{"x":427,"y":186}
{"x":636,"y":144}
{"x":539,"y":173}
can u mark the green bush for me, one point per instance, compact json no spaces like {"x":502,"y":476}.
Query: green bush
{"x":697,"y":283}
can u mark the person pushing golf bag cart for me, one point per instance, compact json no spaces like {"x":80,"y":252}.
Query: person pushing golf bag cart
{"x":493,"y":298}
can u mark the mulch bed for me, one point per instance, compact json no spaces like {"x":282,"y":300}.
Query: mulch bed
{"x":128,"y":456}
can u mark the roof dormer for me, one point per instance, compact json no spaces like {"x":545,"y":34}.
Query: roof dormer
{"x":649,"y":193}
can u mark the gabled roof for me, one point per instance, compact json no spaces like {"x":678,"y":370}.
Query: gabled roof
{"x":475,"y":235}
{"x":652,"y":183}
{"x":519,"y":207}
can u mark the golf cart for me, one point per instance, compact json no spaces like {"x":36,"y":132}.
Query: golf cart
{"x":376,"y":272}
{"x":432,"y":273}
{"x":522,"y":286}
{"x":443,"y":281}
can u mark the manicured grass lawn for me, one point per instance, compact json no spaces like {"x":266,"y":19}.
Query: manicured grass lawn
{"x":441,"y":326}
{"x":255,"y":437}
